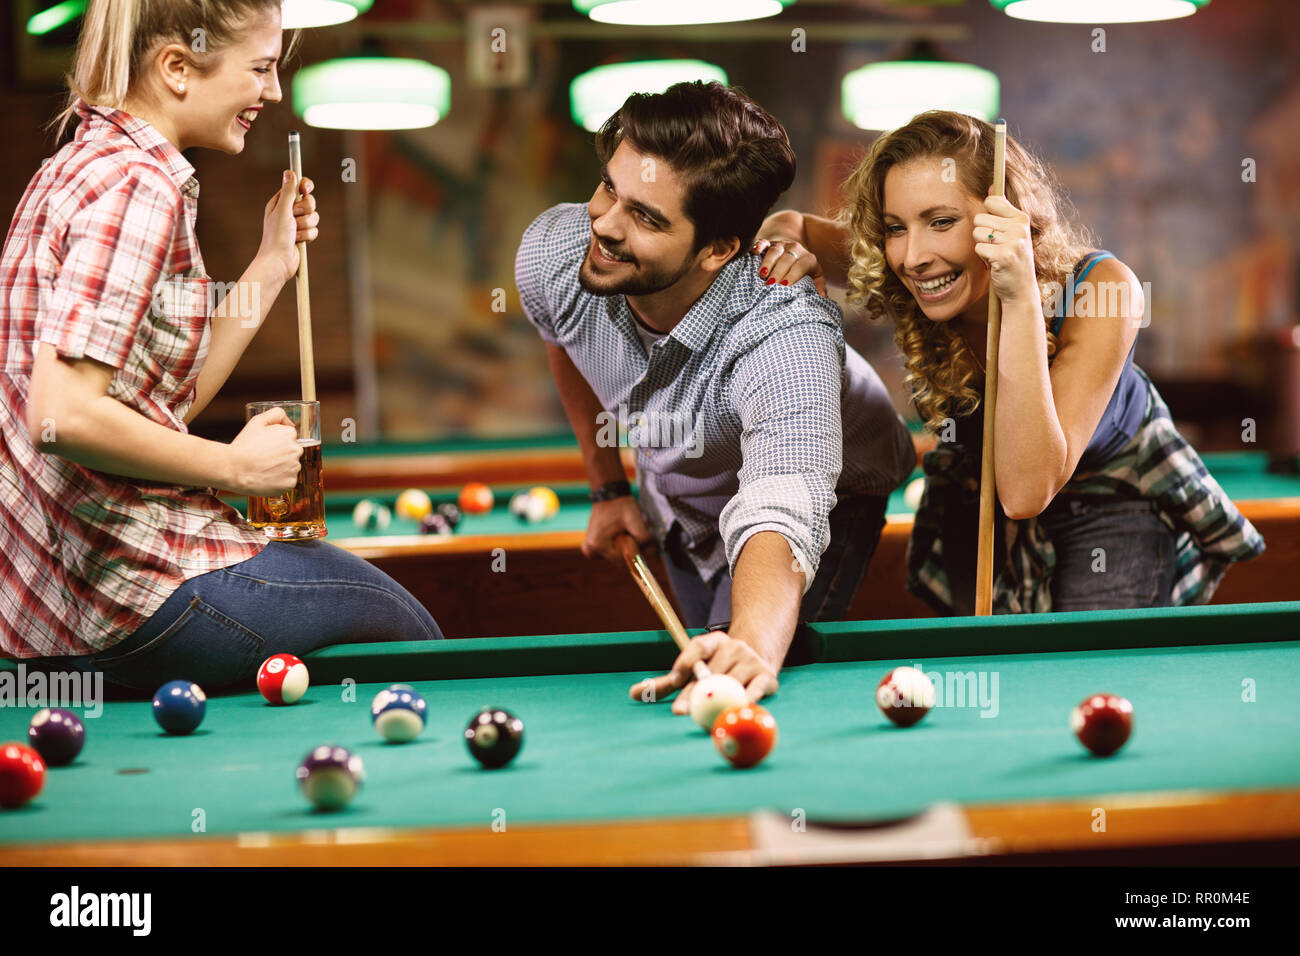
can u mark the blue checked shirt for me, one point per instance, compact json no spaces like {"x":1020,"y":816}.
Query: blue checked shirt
{"x":751,"y":415}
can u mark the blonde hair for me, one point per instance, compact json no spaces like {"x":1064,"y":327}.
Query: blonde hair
{"x":117,"y":37}
{"x":942,"y":372}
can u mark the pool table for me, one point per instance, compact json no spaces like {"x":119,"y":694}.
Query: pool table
{"x":992,"y":774}
{"x":547,"y":586}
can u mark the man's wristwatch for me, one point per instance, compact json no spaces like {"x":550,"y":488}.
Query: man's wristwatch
{"x":611,"y":490}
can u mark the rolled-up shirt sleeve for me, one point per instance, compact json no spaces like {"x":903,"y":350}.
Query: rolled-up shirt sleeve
{"x":116,"y":250}
{"x":786,"y":393}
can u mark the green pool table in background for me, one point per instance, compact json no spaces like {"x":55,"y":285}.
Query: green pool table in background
{"x":1212,"y":771}
{"x":498,"y":576}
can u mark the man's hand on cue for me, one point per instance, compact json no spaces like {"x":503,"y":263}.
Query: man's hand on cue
{"x":724,"y":655}
{"x":608,"y":520}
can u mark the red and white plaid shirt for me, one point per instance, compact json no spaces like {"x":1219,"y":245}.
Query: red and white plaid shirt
{"x":102,"y":262}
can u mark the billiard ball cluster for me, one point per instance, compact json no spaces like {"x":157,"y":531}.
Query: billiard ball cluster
{"x":536,"y":504}
{"x":414,"y":505}
{"x":330,"y":776}
{"x":744,"y":733}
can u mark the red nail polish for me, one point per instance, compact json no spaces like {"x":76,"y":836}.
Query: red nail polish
{"x":785,"y":282}
{"x":769,"y":281}
{"x":762,"y":272}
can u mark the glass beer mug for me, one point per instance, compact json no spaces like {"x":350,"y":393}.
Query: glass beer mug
{"x":299,"y":513}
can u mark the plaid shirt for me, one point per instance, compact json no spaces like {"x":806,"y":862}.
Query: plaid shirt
{"x":1157,"y":464}
{"x":751,"y":415}
{"x":102,"y":262}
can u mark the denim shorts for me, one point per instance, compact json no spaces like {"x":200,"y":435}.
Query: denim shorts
{"x":292,"y":597}
{"x":1110,"y":553}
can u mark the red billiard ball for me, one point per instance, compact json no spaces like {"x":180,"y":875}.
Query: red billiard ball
{"x":905,"y":695}
{"x":1102,"y":723}
{"x":22,"y":774}
{"x":744,"y":734}
{"x":476,"y":498}
{"x":283,"y":679}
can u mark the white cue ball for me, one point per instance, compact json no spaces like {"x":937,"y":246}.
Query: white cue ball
{"x":713,"y":695}
{"x":371,"y":515}
{"x":536,"y":509}
{"x":913,"y":492}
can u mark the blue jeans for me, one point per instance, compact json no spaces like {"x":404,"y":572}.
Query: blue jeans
{"x":1138,"y":550}
{"x":856,"y":522}
{"x":217,"y":628}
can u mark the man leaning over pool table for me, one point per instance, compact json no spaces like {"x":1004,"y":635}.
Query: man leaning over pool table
{"x":740,"y":395}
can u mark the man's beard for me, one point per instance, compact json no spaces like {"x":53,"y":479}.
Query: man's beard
{"x":640,"y":282}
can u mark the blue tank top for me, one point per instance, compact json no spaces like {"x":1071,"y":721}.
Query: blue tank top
{"x":1119,"y":422}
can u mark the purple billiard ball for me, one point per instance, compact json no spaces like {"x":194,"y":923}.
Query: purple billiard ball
{"x":330,"y":777}
{"x":57,"y":735}
{"x":435,"y":523}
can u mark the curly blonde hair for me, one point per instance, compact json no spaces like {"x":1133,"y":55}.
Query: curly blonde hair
{"x":942,"y":373}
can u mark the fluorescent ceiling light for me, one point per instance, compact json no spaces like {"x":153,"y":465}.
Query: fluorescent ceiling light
{"x":884,"y":96}
{"x":661,"y":12}
{"x":1098,"y":11}
{"x":372,"y":93}
{"x":295,"y":14}
{"x":596,"y":95}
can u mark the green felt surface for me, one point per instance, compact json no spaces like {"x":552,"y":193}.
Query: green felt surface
{"x":591,"y":753}
{"x":1243,"y":476}
{"x":575,"y":507}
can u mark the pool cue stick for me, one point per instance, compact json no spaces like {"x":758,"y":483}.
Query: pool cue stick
{"x":306,"y":360}
{"x":645,"y":580}
{"x":988,"y":488}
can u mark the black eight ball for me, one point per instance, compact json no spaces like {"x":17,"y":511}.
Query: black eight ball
{"x":494,"y":736}
{"x":450,"y":512}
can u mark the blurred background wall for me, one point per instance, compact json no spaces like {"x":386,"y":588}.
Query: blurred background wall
{"x":1149,"y":138}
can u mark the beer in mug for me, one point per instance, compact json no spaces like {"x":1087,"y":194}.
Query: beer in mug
{"x":300,"y":512}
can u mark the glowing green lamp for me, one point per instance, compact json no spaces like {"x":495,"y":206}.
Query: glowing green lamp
{"x":661,"y":12}
{"x":1098,"y":11}
{"x":372,"y":93}
{"x":597,"y":94}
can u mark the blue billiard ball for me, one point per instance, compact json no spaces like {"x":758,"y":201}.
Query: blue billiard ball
{"x":57,"y":735}
{"x":398,"y":713}
{"x":178,"y":706}
{"x":330,"y":777}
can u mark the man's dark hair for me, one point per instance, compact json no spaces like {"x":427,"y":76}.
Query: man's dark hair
{"x":734,"y":157}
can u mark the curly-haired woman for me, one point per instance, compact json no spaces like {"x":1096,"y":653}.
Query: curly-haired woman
{"x":1102,"y":503}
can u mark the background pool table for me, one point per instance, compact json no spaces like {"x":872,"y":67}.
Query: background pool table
{"x":549,"y":587}
{"x":1212,"y":771}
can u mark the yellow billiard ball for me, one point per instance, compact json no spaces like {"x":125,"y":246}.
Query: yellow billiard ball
{"x":550,"y":499}
{"x":414,"y":504}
